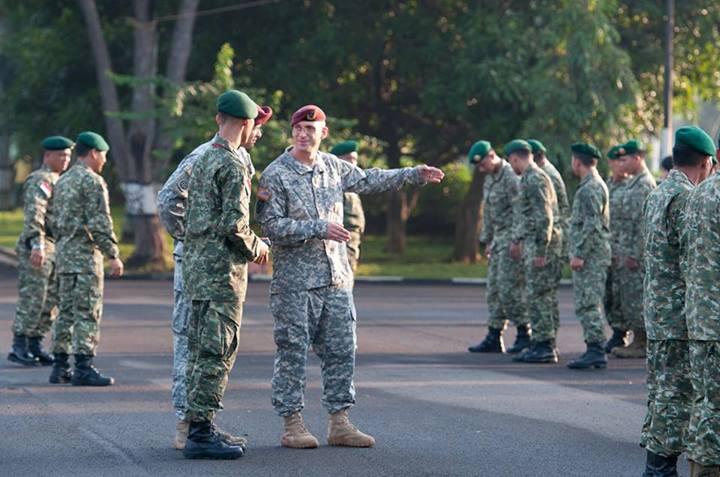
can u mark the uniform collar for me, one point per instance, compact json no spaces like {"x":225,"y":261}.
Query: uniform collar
{"x":587,"y":178}
{"x":299,"y":167}
{"x":222,"y":143}
{"x":638,"y":176}
{"x":676,"y":175}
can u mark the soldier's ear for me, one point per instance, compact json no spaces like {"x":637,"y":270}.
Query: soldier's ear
{"x":325,"y":132}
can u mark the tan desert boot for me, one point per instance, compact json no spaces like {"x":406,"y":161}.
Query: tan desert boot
{"x":181,"y":434}
{"x":697,"y":470}
{"x":296,"y":434}
{"x":341,"y":432}
{"x":637,"y":349}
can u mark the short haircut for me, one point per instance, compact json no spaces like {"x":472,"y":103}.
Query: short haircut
{"x":686,"y":156}
{"x":82,"y":150}
{"x":523,"y":153}
{"x":587,"y":161}
{"x":667,"y":163}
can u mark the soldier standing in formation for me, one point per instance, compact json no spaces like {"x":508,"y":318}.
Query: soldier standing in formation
{"x":218,"y":245}
{"x":589,"y":251}
{"x":702,"y":308}
{"x":85,"y":230}
{"x":172,"y":205}
{"x":37,"y":281}
{"x":506,"y":296}
{"x":354,"y":216}
{"x":629,"y":257}
{"x":537,"y":239}
{"x":665,"y":430}
{"x":300,"y":209}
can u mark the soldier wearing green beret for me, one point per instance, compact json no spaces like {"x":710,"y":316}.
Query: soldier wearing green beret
{"x":354,"y":216}
{"x":37,"y":284}
{"x":701,"y":239}
{"x":85,"y":234}
{"x":537,"y":239}
{"x":506,"y":295}
{"x":665,"y":432}
{"x":628,"y":256}
{"x":589,"y":251}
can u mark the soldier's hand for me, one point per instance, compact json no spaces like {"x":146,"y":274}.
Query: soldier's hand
{"x":577,"y":263}
{"x":539,"y":262}
{"x":116,"y":267}
{"x":37,"y":257}
{"x":337,"y":232}
{"x":263,"y":253}
{"x":430,"y":174}
{"x":516,"y":250}
{"x":488,"y":251}
{"x":632,"y":263}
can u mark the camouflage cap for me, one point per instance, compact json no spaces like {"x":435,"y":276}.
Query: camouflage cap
{"x":57,"y":143}
{"x":478,"y":151}
{"x":516,"y":145}
{"x":92,"y":140}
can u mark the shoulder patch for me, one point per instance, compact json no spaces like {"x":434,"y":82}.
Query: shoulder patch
{"x":47,"y":188}
{"x":263,"y":194}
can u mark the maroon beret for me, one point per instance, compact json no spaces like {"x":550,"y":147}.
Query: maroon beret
{"x":264,"y":115}
{"x":308,"y":113}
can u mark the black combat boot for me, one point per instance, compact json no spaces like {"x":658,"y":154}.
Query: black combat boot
{"x":522,"y":339}
{"x":660,"y":466}
{"x":493,"y":343}
{"x":619,"y":339}
{"x":594,"y":357}
{"x":231,"y":439}
{"x":204,"y":442}
{"x":61,"y":373}
{"x":20,"y":353}
{"x":540,"y":352}
{"x":35,"y":347}
{"x":86,"y":374}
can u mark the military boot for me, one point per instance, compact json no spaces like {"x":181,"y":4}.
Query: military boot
{"x":540,"y":352}
{"x":637,"y":349}
{"x":697,"y":470}
{"x":522,"y":339}
{"x":182,"y":427}
{"x":594,"y":357}
{"x":493,"y":343}
{"x":20,"y":353}
{"x":35,"y":347}
{"x":619,"y":339}
{"x":341,"y":432}
{"x":660,"y":466}
{"x":86,"y":374}
{"x":204,"y":443}
{"x":231,"y":439}
{"x":61,"y":373}
{"x":296,"y":435}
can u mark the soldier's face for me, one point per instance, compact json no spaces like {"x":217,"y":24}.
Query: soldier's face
{"x":257,"y":133}
{"x":519,"y":163}
{"x":58,"y":161}
{"x":99,"y":159}
{"x":307,"y":135}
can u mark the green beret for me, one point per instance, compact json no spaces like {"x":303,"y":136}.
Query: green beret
{"x":633,"y":146}
{"x":613,"y":152}
{"x":537,"y":146}
{"x":237,"y":104}
{"x":695,"y":138}
{"x":345,"y":147}
{"x":586,"y":150}
{"x":516,"y":145}
{"x":478,"y":151}
{"x":57,"y":143}
{"x":92,"y":140}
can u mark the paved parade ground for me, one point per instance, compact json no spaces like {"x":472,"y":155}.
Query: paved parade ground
{"x":434,"y":408}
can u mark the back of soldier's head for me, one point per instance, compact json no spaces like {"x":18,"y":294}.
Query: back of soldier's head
{"x":684,"y":156}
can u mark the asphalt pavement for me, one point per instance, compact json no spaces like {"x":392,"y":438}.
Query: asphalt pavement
{"x":434,"y":408}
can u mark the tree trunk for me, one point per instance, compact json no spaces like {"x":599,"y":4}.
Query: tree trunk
{"x":468,"y":224}
{"x":7,"y":173}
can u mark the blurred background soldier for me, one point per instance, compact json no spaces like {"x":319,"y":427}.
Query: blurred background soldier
{"x":666,"y":165}
{"x":353,"y":214}
{"x":37,"y":282}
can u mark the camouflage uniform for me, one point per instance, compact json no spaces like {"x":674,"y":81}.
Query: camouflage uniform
{"x":533,"y":225}
{"x":668,"y":381}
{"x":172,"y":204}
{"x":562,"y":220}
{"x":590,"y":240}
{"x":702,"y":309}
{"x":85,"y":234}
{"x":311,"y":290}
{"x":37,"y":288}
{"x":630,"y":245}
{"x":355,"y":224}
{"x":218,"y":245}
{"x":612,"y":301}
{"x":506,"y":294}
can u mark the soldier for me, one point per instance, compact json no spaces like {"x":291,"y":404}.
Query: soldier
{"x":539,"y":156}
{"x":666,"y":165}
{"x":506,"y":296}
{"x":702,"y":309}
{"x":300,"y":209}
{"x":218,"y":245}
{"x":37,"y":283}
{"x":613,"y":309}
{"x":537,"y":239}
{"x":665,"y":428}
{"x":85,"y":234}
{"x":589,"y":251}
{"x":172,"y":204}
{"x":628,"y":259}
{"x":352,"y":205}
